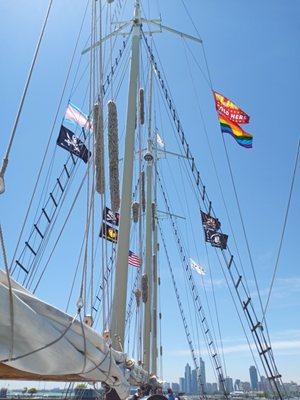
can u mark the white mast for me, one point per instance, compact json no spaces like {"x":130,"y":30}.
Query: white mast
{"x":148,"y":256}
{"x":120,"y":285}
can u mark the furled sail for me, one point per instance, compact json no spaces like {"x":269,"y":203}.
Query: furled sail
{"x":49,"y":342}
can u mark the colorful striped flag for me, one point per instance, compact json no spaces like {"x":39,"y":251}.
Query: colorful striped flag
{"x":75,"y":115}
{"x":133,"y":259}
{"x":243,"y":138}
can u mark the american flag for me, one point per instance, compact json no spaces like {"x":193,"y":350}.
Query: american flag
{"x":133,"y":259}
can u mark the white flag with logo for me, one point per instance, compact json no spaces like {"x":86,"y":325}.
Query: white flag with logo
{"x":159,"y":140}
{"x":196,"y":267}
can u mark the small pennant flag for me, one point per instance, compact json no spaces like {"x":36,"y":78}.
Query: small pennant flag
{"x":210,"y":222}
{"x":109,"y":233}
{"x":68,"y":141}
{"x":111,"y":217}
{"x":196,"y":267}
{"x":75,"y":116}
{"x":243,"y":138}
{"x":216,"y":239}
{"x":159,"y":140}
{"x":226,"y":108}
{"x":133,"y":259}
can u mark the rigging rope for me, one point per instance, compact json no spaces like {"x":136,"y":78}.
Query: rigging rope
{"x":207,"y":335}
{"x":15,"y":126}
{"x":262,"y":344}
{"x":185,"y":325}
{"x":283,"y":230}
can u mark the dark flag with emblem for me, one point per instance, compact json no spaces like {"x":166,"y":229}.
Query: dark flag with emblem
{"x":210,"y":222}
{"x":68,"y":141}
{"x":216,"y":239}
{"x":109,"y":233}
{"x":111,"y":217}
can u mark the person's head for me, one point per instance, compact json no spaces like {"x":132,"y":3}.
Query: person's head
{"x":170,"y":391}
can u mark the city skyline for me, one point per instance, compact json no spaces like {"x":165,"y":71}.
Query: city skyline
{"x":188,"y":384}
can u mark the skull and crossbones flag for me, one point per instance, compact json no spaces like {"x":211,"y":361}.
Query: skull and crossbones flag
{"x":68,"y":141}
{"x":111,"y":217}
{"x":210,"y":222}
{"x":216,"y":239}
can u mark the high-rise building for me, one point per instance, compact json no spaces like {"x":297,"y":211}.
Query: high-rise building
{"x":175,"y":387}
{"x":188,"y":378}
{"x":194,"y":382}
{"x":209,"y":388}
{"x":237,"y":384}
{"x":214,"y":388}
{"x":229,"y":384}
{"x":202,"y":376}
{"x":253,"y":378}
{"x":182,"y":385}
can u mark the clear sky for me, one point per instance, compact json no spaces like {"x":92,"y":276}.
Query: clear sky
{"x":253,"y":55}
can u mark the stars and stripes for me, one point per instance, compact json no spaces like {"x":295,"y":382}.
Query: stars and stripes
{"x":134,"y":259}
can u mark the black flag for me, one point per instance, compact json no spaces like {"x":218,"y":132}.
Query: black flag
{"x":109,"y":233}
{"x":210,"y":222}
{"x":111,"y":217}
{"x":216,"y":239}
{"x":68,"y":141}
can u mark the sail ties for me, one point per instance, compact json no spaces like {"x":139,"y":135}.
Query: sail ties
{"x":144,"y":288}
{"x":99,"y":148}
{"x":135,"y":211}
{"x":142,"y":106}
{"x":113,"y":149}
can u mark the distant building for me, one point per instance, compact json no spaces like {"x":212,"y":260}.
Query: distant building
{"x":209,"y":388}
{"x":175,"y":387}
{"x":264,"y":385}
{"x":3,"y":393}
{"x":194,"y":382}
{"x":214,"y":388}
{"x":237,"y":385}
{"x":229,"y":384}
{"x":188,"y":378}
{"x":182,"y":385}
{"x":245,"y":387}
{"x":202,"y":376}
{"x":253,"y":377}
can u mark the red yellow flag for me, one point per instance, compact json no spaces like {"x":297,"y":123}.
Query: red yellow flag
{"x":228,"y":109}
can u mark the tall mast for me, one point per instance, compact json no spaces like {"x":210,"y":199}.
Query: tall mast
{"x":120,"y":285}
{"x":148,"y":256}
{"x":155,"y":278}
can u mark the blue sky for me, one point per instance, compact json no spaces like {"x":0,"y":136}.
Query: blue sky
{"x":252,"y":51}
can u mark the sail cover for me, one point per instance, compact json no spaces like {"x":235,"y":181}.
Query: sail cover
{"x":47,"y":341}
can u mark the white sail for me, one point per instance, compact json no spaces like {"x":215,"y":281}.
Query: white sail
{"x":47,"y":341}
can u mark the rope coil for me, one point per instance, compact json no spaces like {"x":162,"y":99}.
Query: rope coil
{"x":145,"y":288}
{"x":99,"y":149}
{"x":142,"y":106}
{"x":135,"y":211}
{"x":113,"y":148}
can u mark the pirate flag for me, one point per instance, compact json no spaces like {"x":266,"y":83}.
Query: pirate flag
{"x":216,"y":239}
{"x":111,"y":217}
{"x":109,"y":233}
{"x":68,"y":141}
{"x":210,"y":222}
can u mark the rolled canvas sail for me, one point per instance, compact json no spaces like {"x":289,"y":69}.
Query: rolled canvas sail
{"x":38,"y":325}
